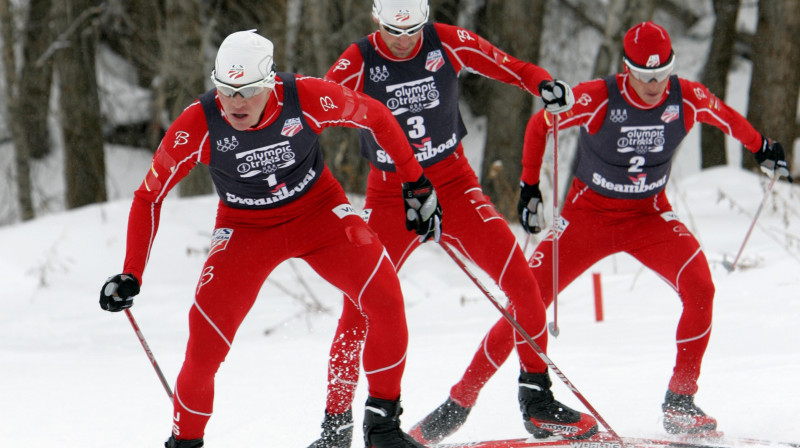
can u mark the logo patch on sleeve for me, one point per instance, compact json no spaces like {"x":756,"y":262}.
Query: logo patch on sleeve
{"x":669,"y":216}
{"x":344,"y":210}
{"x":219,"y":240}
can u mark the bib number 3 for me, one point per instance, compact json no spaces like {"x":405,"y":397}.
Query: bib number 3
{"x":417,"y":127}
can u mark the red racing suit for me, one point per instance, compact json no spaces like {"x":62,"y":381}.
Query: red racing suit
{"x":313,"y":221}
{"x":471,"y":223}
{"x":596,"y":225}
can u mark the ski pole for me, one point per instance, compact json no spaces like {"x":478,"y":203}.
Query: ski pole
{"x":510,"y":319}
{"x":731,"y":266}
{"x":525,"y":246}
{"x":553,"y":326}
{"x":148,"y":352}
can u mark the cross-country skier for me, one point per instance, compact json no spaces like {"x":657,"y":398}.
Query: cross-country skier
{"x":257,"y":132}
{"x":412,"y":66}
{"x":631,"y":125}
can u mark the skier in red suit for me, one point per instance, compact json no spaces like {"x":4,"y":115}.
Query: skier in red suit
{"x":631,"y":125}
{"x":412,"y":66}
{"x":257,"y":132}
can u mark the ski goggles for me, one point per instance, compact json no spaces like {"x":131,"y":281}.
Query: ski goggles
{"x":246,"y":91}
{"x":648,"y":74}
{"x":397,"y":32}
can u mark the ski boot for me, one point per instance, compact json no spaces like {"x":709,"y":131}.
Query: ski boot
{"x":682,"y":416}
{"x":382,"y":425}
{"x":544,"y":416}
{"x":337,"y":431}
{"x":172,"y":442}
{"x":442,"y":422}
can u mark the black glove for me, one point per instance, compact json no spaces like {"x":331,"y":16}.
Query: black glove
{"x":118,"y":291}
{"x":423,"y":213}
{"x":556,"y":95}
{"x":772,"y":159}
{"x":530,"y":208}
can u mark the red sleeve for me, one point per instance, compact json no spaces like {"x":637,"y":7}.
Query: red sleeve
{"x":700,"y":105}
{"x":591,"y":100}
{"x":467,"y":50}
{"x":327,"y":104}
{"x":185,"y":144}
{"x":348,"y":69}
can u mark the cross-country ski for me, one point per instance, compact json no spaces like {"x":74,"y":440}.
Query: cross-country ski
{"x":605,"y":440}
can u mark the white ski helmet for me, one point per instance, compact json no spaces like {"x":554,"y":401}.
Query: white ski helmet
{"x":245,"y":57}
{"x":400,"y":13}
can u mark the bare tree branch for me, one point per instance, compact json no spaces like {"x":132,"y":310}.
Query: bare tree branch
{"x":62,"y":41}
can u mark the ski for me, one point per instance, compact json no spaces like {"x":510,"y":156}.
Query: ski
{"x":762,"y":442}
{"x":605,"y":440}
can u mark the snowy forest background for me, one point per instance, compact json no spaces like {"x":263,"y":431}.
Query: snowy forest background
{"x":83,"y":78}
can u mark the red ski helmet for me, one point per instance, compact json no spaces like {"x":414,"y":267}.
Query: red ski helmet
{"x":648,"y":52}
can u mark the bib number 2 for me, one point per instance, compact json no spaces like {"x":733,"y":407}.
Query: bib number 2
{"x":636,"y":164}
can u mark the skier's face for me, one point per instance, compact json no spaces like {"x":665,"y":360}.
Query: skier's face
{"x":401,"y":45}
{"x":244,"y":113}
{"x":650,"y":92}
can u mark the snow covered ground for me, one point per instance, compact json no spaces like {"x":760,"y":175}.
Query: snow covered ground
{"x":72,"y":375}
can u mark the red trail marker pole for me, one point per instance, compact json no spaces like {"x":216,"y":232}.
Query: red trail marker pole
{"x":598,"y":297}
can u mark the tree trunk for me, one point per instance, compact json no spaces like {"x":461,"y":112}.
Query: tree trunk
{"x":620,"y":17}
{"x":633,"y":12}
{"x":448,"y":11}
{"x":135,"y":36}
{"x":319,"y":31}
{"x":514,"y":27}
{"x":294,"y":11}
{"x":132,"y":31}
{"x":34,"y":87}
{"x":715,"y":77}
{"x":28,"y":123}
{"x":21,"y":150}
{"x":84,"y":161}
{"x":346,"y":22}
{"x":775,"y":83}
{"x":610,"y":51}
{"x":183,"y":72}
